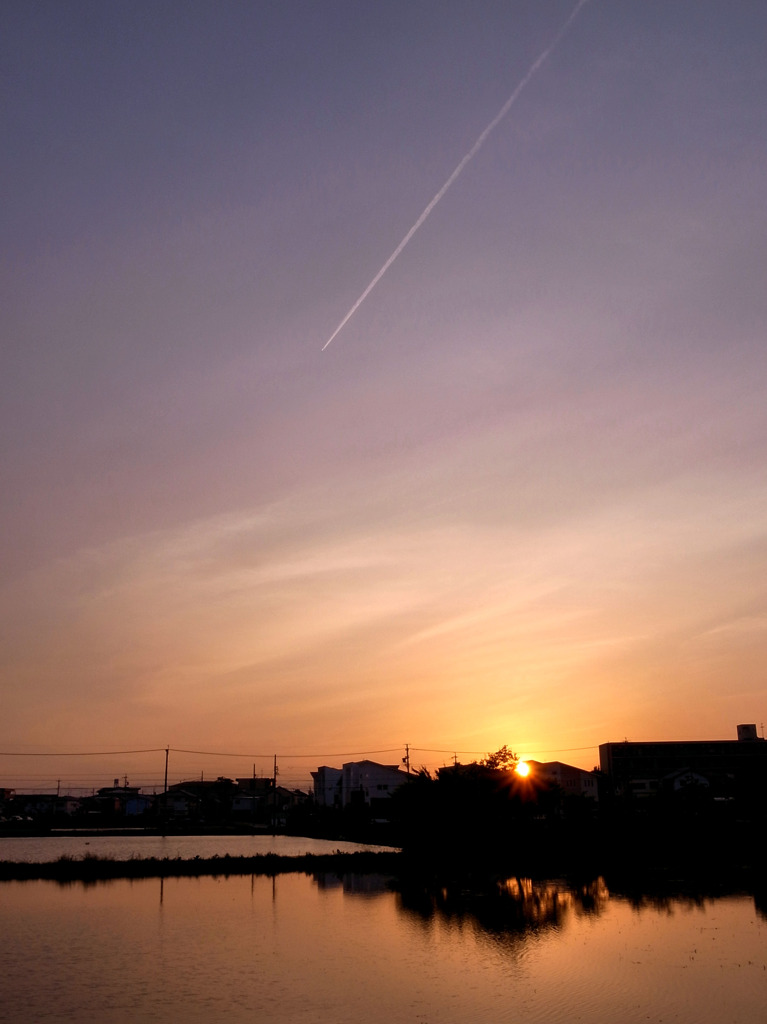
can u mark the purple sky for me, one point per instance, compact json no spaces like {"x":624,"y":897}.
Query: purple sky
{"x":520,"y":499}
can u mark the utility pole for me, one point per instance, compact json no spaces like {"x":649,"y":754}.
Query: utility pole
{"x":274,"y":797}
{"x":406,"y":758}
{"x":165,"y":795}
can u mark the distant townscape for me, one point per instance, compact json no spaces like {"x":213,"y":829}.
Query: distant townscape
{"x":697,"y":798}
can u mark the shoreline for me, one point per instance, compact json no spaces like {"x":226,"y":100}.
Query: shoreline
{"x":400,"y":866}
{"x":90,"y":868}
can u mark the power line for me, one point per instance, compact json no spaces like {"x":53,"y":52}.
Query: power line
{"x":292,"y":756}
{"x":200,"y":753}
{"x":348,"y":753}
{"x":431,"y":750}
{"x":87,"y":753}
{"x":565,"y":750}
{"x":557,"y":750}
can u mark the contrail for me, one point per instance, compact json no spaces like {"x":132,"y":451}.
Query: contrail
{"x":456,"y":173}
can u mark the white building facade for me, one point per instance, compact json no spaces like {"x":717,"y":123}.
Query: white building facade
{"x":357,"y":782}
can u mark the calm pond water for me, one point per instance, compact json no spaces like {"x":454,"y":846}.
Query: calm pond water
{"x":329,"y":950}
{"x":122,"y":847}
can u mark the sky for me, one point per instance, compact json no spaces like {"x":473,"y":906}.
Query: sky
{"x":519,"y":499}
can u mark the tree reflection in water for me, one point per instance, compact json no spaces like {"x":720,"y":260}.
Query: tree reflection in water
{"x":509,"y":906}
{"x":666,"y":898}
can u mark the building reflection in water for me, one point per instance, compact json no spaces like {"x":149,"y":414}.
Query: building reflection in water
{"x":353,"y":884}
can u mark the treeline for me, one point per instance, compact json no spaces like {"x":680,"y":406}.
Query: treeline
{"x":485,"y":814}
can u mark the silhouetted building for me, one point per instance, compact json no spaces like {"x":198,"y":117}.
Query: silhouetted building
{"x":255,"y":785}
{"x":722,"y":770}
{"x":121,"y":800}
{"x":45,"y":805}
{"x":209,"y":800}
{"x":571,"y":780}
{"x":253,"y":798}
{"x":178,"y":803}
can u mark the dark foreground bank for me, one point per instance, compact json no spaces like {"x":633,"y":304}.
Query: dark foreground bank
{"x":94,"y":869}
{"x":407,"y":873}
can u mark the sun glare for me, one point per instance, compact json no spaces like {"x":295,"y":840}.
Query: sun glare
{"x":523,"y":769}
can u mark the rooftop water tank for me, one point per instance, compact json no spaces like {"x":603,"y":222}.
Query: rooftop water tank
{"x":747,"y":732}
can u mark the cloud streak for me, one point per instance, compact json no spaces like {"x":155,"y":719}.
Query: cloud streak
{"x":465,"y":160}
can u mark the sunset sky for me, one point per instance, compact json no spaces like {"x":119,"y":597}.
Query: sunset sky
{"x":520,"y":499}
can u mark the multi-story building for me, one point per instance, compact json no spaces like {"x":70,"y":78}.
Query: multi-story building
{"x":357,"y":782}
{"x":327,"y":786}
{"x":724,"y":769}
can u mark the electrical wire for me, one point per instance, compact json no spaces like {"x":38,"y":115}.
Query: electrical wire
{"x":348,"y":753}
{"x":87,"y":753}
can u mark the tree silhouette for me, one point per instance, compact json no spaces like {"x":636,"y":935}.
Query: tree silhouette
{"x":503,"y":760}
{"x":464,"y":811}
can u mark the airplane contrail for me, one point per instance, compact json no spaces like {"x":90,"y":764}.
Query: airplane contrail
{"x":456,"y":173}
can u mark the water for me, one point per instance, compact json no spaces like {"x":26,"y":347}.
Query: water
{"x":298,"y":949}
{"x":122,"y":847}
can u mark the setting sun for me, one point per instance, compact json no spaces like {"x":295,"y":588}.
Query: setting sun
{"x":523,"y":769}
